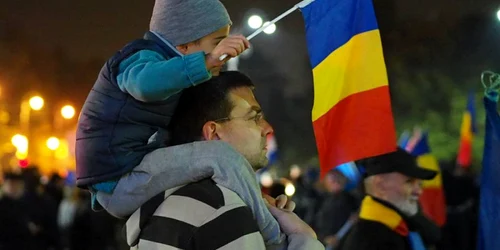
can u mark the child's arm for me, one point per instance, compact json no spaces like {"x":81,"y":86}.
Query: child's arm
{"x":148,"y":77}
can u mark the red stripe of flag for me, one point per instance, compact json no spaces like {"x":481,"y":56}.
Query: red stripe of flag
{"x":362,"y":126}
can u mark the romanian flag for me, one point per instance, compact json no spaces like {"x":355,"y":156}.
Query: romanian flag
{"x":432,"y":199}
{"x":352,"y":116}
{"x":468,"y":129}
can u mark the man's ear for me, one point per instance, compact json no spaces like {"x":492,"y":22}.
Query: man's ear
{"x":209,"y":131}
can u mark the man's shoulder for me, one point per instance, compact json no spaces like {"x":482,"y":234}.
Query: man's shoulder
{"x":209,"y":193}
{"x":199,"y":202}
{"x":205,"y":191}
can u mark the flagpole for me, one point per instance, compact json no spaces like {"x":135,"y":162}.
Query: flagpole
{"x":302,"y":4}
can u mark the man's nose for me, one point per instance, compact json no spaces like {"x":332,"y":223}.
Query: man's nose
{"x":266,"y":128}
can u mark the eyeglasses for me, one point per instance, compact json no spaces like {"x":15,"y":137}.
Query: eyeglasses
{"x":256,"y":118}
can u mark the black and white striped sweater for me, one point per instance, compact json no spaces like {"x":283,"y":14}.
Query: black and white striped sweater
{"x":201,"y":215}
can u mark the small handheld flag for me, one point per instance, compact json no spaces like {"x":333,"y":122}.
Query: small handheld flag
{"x":302,"y":4}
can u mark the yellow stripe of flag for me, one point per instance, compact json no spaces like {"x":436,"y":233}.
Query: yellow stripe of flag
{"x":428,"y":161}
{"x":465,"y":130}
{"x":354,"y":67}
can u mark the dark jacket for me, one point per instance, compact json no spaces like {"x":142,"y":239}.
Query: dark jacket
{"x":334,"y":212}
{"x":114,"y":128}
{"x":380,"y":227}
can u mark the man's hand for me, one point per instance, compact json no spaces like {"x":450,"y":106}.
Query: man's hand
{"x":289,"y":222}
{"x":231,"y":46}
{"x":281,"y":202}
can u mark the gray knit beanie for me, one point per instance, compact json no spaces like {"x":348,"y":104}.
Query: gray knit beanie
{"x":184,"y":21}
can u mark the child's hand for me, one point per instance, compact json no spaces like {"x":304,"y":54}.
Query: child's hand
{"x":232,"y":46}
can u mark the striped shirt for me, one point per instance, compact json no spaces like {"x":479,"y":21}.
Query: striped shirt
{"x":201,"y":215}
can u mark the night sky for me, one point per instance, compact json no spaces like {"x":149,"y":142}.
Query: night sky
{"x":95,"y":28}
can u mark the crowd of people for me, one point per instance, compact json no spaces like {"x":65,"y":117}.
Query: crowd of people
{"x":41,"y":213}
{"x":332,"y":206}
{"x":51,"y":213}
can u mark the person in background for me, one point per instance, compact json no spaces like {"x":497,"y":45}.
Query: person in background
{"x":462,"y":201}
{"x":307,"y":195}
{"x":393,"y":186}
{"x":17,"y":230}
{"x":337,"y":209}
{"x":42,"y":210}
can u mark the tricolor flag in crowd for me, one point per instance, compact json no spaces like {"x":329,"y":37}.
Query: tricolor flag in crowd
{"x":432,"y":200}
{"x":489,"y":204}
{"x":352,"y":116}
{"x":467,"y":131}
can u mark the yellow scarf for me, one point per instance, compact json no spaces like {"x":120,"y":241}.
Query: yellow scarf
{"x":375,"y":211}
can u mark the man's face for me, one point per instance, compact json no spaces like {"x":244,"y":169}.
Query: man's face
{"x":403,"y":191}
{"x":246,"y":129}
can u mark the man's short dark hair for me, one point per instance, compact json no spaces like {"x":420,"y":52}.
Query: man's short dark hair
{"x":205,"y":102}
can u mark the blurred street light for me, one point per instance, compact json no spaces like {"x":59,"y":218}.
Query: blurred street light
{"x":33,"y":103}
{"x":68,"y":112}
{"x":266,"y":179}
{"x":36,"y":102}
{"x":53,"y":143}
{"x":20,"y":142}
{"x":271,"y":29}
{"x":255,"y":22}
{"x":289,"y":189}
{"x":21,"y":155}
{"x":498,"y":15}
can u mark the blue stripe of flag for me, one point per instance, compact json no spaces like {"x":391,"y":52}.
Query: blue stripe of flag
{"x":337,"y":19}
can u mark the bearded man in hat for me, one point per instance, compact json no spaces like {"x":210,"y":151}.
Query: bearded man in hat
{"x":389,"y":217}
